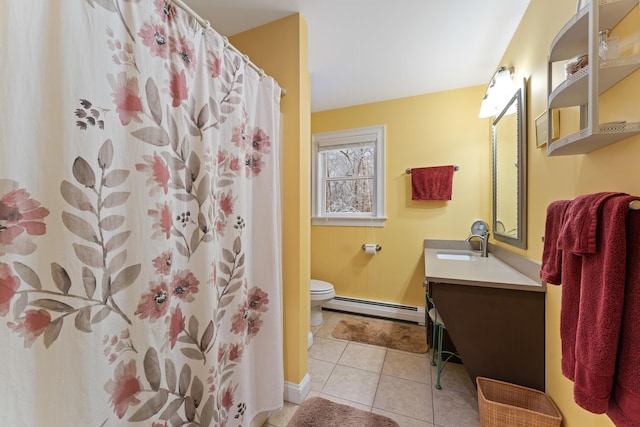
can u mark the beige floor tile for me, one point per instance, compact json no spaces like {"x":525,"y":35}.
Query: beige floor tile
{"x":454,"y":377}
{"x":455,"y":409}
{"x":402,"y":420}
{"x":366,"y":408}
{"x":319,"y":370}
{"x":327,"y":349}
{"x":396,"y":384}
{"x":315,"y":329}
{"x":282,"y":417}
{"x":352,"y":384}
{"x":312,"y":393}
{"x":331,"y":319}
{"x":362,"y":356}
{"x":409,"y":366}
{"x":404,"y":397}
{"x":426,"y":355}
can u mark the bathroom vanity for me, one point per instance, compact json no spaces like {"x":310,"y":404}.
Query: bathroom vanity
{"x":493,"y":308}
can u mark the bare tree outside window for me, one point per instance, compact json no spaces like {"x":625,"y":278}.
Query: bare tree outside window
{"x":349,"y":178}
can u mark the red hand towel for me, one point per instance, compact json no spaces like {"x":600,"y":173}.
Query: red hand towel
{"x":624,"y":406}
{"x":551,"y":268}
{"x":433,"y":183}
{"x":601,"y":285}
{"x":578,"y":233}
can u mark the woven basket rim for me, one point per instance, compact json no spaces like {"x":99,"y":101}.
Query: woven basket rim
{"x":558,"y":416}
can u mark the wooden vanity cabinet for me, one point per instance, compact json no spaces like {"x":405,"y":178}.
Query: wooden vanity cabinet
{"x":498,"y":333}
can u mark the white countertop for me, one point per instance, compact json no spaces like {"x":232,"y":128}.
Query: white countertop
{"x":480,"y":271}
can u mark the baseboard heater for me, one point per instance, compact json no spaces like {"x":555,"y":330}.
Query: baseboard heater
{"x":388,"y":310}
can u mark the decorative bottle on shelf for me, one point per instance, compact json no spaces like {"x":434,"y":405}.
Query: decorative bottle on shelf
{"x":608,"y":47}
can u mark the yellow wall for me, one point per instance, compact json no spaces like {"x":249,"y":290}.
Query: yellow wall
{"x":433,"y":129}
{"x":613,"y":168}
{"x":427,"y":130}
{"x":443,"y":128}
{"x":288,"y":64}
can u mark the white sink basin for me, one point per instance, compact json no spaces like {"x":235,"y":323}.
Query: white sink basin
{"x":456,"y":256}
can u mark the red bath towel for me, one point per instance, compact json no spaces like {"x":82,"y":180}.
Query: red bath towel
{"x":551,"y":267}
{"x":593,"y":291}
{"x":624,"y":406}
{"x":433,"y":183}
{"x":578,"y":233}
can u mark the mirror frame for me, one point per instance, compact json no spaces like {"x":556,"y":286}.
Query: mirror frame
{"x":520,"y":240}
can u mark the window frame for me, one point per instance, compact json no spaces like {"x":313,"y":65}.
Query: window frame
{"x":349,"y":137}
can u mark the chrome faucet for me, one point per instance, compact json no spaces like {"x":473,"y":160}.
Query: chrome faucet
{"x":483,"y":242}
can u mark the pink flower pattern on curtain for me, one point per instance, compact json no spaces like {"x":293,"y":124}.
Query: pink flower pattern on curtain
{"x":139,"y":250}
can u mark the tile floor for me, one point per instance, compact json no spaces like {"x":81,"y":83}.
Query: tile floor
{"x":390,"y":382}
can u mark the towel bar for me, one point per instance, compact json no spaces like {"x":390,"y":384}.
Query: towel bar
{"x":455,"y":168}
{"x":634,"y":205}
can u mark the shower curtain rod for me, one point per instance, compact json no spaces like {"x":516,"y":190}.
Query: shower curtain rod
{"x":206,"y":25}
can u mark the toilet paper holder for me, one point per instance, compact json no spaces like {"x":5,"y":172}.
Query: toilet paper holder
{"x":378,"y":247}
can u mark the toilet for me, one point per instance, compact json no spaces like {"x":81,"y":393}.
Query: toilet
{"x":321,"y":292}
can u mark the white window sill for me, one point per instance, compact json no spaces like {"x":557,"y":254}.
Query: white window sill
{"x":349,"y":221}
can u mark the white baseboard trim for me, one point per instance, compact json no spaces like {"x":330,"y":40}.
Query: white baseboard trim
{"x":296,"y":393}
{"x":408,"y":313}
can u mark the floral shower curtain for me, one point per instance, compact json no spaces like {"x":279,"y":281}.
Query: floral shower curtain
{"x":140,"y":263}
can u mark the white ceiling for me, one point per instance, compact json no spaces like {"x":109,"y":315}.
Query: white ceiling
{"x":363,"y":51}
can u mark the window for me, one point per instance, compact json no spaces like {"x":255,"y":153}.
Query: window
{"x":348,"y":177}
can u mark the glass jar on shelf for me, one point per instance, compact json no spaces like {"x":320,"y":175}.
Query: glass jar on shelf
{"x":608,"y":46}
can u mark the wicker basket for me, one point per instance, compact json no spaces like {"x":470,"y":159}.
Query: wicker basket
{"x":502,"y":404}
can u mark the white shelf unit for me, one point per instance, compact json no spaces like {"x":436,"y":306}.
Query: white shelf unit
{"x":581,"y":36}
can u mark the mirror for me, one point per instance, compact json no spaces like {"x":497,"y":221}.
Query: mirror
{"x":510,"y":172}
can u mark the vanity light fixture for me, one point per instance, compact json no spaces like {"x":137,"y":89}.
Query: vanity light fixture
{"x":500,"y":90}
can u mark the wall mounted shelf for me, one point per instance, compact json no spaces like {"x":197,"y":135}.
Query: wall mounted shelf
{"x":579,"y":36}
{"x":575,"y":90}
{"x":584,"y":141}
